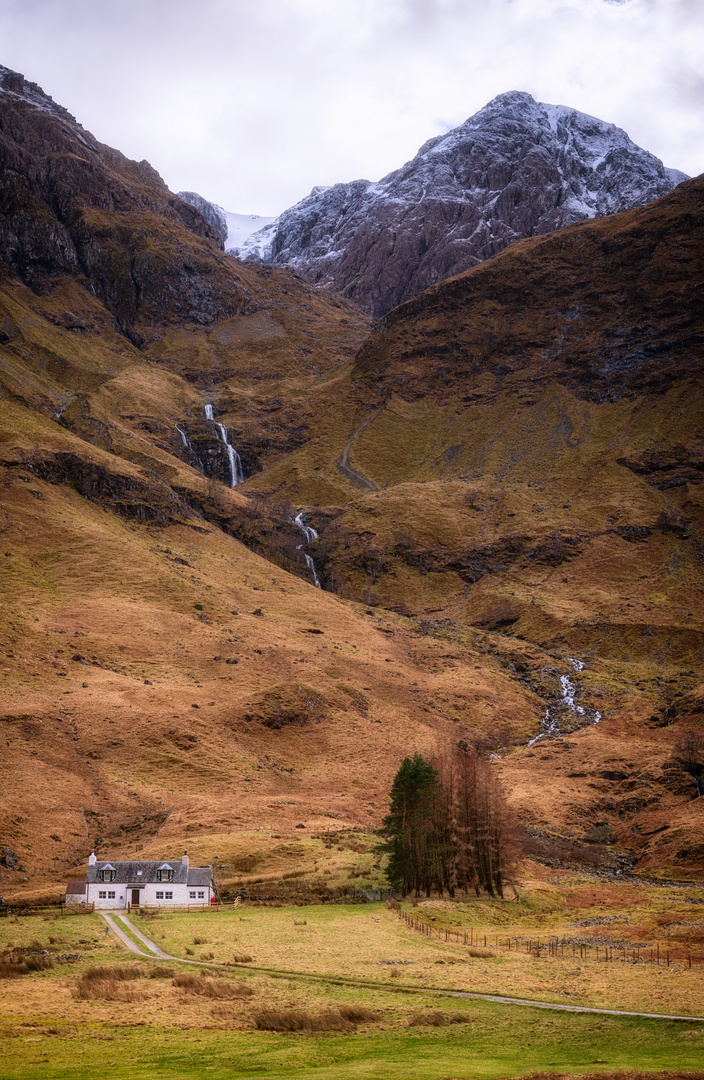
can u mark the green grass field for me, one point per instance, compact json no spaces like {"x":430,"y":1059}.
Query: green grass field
{"x":492,"y":1041}
{"x":162,"y":1031}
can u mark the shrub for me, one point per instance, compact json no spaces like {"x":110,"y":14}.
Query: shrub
{"x":432,"y":1018}
{"x":160,"y":971}
{"x":299,"y":1020}
{"x":107,"y":984}
{"x":435,"y":1018}
{"x":23,"y":962}
{"x":481,"y":954}
{"x":218,"y":989}
{"x":100,"y":973}
{"x":242,"y":958}
{"x":106,"y":991}
{"x":200,"y":941}
{"x":356,"y":1014}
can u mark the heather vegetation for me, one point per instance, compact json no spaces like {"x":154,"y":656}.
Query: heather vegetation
{"x":498,"y":491}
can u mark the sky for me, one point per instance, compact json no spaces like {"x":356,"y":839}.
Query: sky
{"x":253,"y":102}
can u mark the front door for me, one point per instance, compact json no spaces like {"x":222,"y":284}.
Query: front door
{"x":135,"y":897}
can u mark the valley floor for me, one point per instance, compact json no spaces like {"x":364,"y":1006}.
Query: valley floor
{"x":327,"y":962}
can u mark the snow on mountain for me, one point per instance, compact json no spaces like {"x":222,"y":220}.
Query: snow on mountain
{"x":517,"y":168}
{"x":14,"y":84}
{"x":242,"y":226}
{"x":234,"y":228}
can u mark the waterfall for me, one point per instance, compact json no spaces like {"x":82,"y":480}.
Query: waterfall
{"x":236,"y":471}
{"x":310,"y":534}
{"x":187,"y":443}
{"x":551,"y":724}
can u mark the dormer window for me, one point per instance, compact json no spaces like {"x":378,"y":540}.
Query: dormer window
{"x":164,"y":873}
{"x":107,"y":873}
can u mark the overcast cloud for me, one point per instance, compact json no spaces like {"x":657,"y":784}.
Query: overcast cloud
{"x":252,"y":102}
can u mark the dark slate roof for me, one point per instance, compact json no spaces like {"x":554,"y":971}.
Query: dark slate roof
{"x":128,"y":873}
{"x":76,"y":887}
{"x":200,"y":876}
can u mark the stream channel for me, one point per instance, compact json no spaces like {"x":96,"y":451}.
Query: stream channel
{"x":550,"y":723}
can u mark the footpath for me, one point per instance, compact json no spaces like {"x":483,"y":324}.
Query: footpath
{"x":155,"y":952}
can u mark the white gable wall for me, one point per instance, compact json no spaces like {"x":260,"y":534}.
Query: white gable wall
{"x":154,"y":894}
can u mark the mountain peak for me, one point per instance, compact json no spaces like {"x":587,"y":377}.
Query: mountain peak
{"x":516,"y":168}
{"x":15,"y":84}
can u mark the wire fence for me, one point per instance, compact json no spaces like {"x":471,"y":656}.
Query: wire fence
{"x":551,"y":947}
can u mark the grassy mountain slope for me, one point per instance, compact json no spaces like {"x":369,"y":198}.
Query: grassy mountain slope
{"x":170,"y":675}
{"x":519,"y":450}
{"x":485,"y":514}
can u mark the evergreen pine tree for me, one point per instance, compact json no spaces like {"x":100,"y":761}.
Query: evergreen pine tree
{"x":409,"y":827}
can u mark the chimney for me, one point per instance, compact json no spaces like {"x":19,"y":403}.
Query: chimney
{"x":92,"y":860}
{"x":184,"y":860}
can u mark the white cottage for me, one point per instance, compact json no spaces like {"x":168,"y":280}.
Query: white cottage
{"x":143,"y":884}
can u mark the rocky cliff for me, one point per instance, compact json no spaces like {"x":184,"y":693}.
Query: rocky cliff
{"x":70,"y":205}
{"x":517,"y":168}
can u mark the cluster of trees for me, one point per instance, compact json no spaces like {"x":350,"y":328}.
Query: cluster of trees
{"x":446,"y":827}
{"x":689,"y":754}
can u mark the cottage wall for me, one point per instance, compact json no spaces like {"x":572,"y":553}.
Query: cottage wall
{"x":145,"y":884}
{"x":152,"y":894}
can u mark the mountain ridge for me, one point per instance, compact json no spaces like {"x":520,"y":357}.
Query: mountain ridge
{"x":516,"y":168}
{"x":510,"y":548}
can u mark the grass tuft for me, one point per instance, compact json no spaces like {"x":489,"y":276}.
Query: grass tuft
{"x":100,"y":973}
{"x":23,"y":962}
{"x":213,"y":988}
{"x":435,"y":1018}
{"x":343,"y":1019}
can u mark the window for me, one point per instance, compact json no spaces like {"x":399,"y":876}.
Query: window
{"x":169,"y":895}
{"x":108,"y":873}
{"x":164,"y":873}
{"x":111,"y":895}
{"x":201,"y":895}
{"x":160,"y":895}
{"x":102,"y":894}
{"x":192,"y":895}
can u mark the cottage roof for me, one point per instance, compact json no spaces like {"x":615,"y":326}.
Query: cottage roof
{"x":200,"y":876}
{"x":76,"y":887}
{"x":142,"y":873}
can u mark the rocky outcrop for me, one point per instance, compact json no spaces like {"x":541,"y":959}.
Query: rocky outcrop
{"x":516,"y":169}
{"x":612,"y":309}
{"x":70,"y":205}
{"x":213,"y":214}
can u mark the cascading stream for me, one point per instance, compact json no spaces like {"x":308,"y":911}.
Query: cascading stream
{"x":310,"y":534}
{"x":550,"y":723}
{"x":187,"y":443}
{"x":236,"y":471}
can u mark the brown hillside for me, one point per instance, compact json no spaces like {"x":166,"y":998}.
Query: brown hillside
{"x":479,"y":527}
{"x":154,"y":692}
{"x":520,"y":450}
